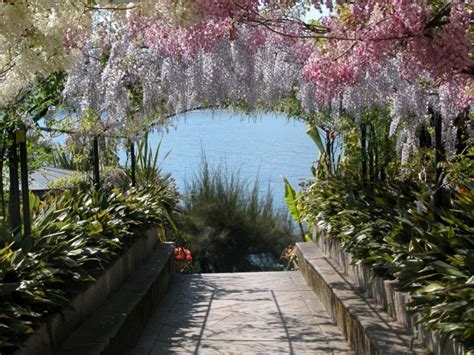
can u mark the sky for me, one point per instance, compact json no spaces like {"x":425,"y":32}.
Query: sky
{"x":314,"y":14}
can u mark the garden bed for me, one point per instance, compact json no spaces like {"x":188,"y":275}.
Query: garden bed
{"x":386,"y":294}
{"x":49,"y":335}
{"x":52,"y":281}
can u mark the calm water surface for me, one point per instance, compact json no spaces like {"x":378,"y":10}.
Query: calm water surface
{"x":266,"y":146}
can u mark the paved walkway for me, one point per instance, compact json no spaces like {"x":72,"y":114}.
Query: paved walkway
{"x":266,"y":312}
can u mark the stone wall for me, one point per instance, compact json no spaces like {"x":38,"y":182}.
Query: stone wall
{"x":387,"y":294}
{"x":59,"y":326}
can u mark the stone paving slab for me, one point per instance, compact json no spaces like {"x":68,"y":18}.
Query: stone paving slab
{"x":263,"y":313}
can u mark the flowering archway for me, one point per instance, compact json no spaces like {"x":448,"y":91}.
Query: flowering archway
{"x":395,"y":70}
{"x":158,"y":58}
{"x":132,"y":66}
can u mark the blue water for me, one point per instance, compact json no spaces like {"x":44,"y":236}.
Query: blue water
{"x":266,"y":146}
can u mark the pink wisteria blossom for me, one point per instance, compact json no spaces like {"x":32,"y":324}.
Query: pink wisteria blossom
{"x":186,"y":42}
{"x":356,"y":38}
{"x":396,"y":55}
{"x":435,"y":45}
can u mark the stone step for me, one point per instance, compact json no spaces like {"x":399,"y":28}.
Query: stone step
{"x":117,"y":325}
{"x":365,"y":325}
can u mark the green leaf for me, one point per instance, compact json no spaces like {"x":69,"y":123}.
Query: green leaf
{"x":291,"y":198}
{"x":432,"y":287}
{"x":316,"y":137}
{"x":291,"y":201}
{"x":446,"y":269}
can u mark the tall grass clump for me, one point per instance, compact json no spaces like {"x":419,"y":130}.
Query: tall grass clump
{"x":229,"y":226}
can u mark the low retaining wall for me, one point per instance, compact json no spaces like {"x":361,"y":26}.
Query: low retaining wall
{"x":364,"y":324}
{"x":388,"y":295}
{"x":116,"y":326}
{"x":47,"y":338}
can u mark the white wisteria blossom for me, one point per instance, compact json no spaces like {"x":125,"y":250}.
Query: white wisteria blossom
{"x":133,"y":85}
{"x":83,"y":89}
{"x":32,"y":40}
{"x":408,"y":101}
{"x":136,"y":85}
{"x":40,"y":37}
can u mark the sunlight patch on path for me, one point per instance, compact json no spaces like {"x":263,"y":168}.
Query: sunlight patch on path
{"x":266,"y":312}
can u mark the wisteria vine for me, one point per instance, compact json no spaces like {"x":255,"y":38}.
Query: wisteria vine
{"x":142,"y":62}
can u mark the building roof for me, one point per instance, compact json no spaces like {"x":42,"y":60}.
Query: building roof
{"x":41,"y":178}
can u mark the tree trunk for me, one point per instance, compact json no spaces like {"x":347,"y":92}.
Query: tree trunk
{"x":14,"y":203}
{"x":363,"y":151}
{"x":439,"y":159}
{"x":328,"y":151}
{"x":95,"y":162}
{"x":133,"y":164}
{"x":2,"y":187}
{"x":21,"y":138}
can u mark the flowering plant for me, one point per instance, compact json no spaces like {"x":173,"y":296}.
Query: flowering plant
{"x":407,"y":57}
{"x":289,"y":258}
{"x":183,"y":258}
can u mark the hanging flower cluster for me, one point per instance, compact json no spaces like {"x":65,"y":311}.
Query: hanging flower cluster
{"x":183,"y":259}
{"x":407,"y":55}
{"x":365,"y":36}
{"x":40,"y":37}
{"x":130,"y":84}
{"x":357,"y":38}
{"x":158,"y":58}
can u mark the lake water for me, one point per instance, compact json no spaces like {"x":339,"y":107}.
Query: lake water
{"x":266,"y":146}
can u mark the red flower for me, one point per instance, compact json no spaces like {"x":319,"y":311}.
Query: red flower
{"x":183,"y":258}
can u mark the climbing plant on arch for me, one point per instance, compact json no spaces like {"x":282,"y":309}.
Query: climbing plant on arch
{"x":133,"y":64}
{"x":179,"y":55}
{"x":430,"y":39}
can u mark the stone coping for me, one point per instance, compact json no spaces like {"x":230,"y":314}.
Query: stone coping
{"x":47,"y":338}
{"x":364,"y":324}
{"x":388,"y":295}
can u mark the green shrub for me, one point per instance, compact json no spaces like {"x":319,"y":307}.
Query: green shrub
{"x":75,"y":234}
{"x":148,"y":169}
{"x":225,"y":221}
{"x":394,"y":228}
{"x":77,"y":180}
